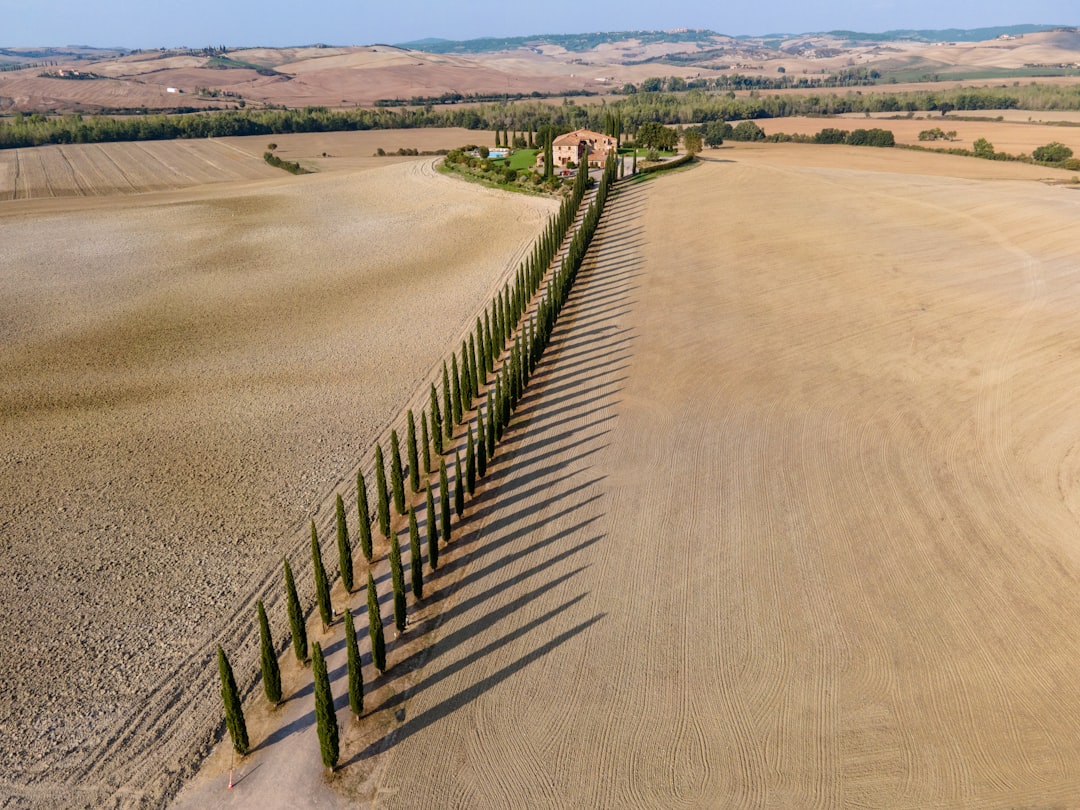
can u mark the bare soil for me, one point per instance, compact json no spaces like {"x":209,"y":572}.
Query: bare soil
{"x":189,"y":378}
{"x":109,"y":169}
{"x":789,"y":518}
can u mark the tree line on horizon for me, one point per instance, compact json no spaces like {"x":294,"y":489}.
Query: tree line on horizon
{"x":693,"y":107}
{"x":481,"y":386}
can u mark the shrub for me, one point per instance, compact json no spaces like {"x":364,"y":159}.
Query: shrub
{"x":747,"y":131}
{"x":1052,"y":153}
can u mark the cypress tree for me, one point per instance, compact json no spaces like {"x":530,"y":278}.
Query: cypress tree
{"x":455,"y":389}
{"x":489,"y":349}
{"x":432,"y":532}
{"x":491,"y":437}
{"x":413,"y":454}
{"x":474,"y":369}
{"x":415,"y":561}
{"x":481,"y":445}
{"x":271,"y":672}
{"x":325,"y":716}
{"x":356,"y":674}
{"x":448,"y":409}
{"x":380,"y":491}
{"x":397,"y":578}
{"x":444,"y":501}
{"x":234,"y":712}
{"x":436,"y":423}
{"x":322,"y":587}
{"x":344,"y":550}
{"x":397,"y":474}
{"x":459,"y":486}
{"x":466,"y":379}
{"x":425,"y":440}
{"x":363,"y":516}
{"x":470,"y":464}
{"x":296,"y":616}
{"x":375,"y":628}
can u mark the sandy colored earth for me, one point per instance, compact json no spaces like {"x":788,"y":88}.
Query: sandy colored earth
{"x":189,"y":377}
{"x":1011,"y":136}
{"x":789,"y":516}
{"x":108,"y":169}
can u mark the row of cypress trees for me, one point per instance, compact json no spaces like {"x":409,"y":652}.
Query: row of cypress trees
{"x":503,"y":330}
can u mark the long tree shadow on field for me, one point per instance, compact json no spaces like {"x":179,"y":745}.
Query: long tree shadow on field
{"x":539,"y":509}
{"x":526,"y":535}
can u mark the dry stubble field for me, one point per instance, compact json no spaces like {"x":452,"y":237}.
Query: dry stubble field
{"x":790,"y":517}
{"x":188,"y":377}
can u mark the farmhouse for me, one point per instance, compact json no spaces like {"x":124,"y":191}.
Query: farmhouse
{"x":583,"y":143}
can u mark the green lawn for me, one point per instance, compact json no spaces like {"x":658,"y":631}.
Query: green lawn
{"x":521,"y":159}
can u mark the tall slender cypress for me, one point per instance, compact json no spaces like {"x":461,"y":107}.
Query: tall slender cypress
{"x":491,"y":437}
{"x":474,"y":369}
{"x":375,"y":627}
{"x":436,"y":423}
{"x":416,"y":568}
{"x":325,"y":716}
{"x":425,"y":440}
{"x":444,"y":501}
{"x":432,"y":532}
{"x":363,"y":516}
{"x":448,"y":407}
{"x":470,"y":464}
{"x":380,"y":491}
{"x":459,"y":486}
{"x":489,"y":347}
{"x":344,"y":549}
{"x":296,"y":616}
{"x":322,"y":586}
{"x":413,"y":454}
{"x":397,"y":578}
{"x":481,"y":445}
{"x":230,"y":698}
{"x":271,"y":672}
{"x":397,"y":474}
{"x":455,"y":389}
{"x":356,"y":673}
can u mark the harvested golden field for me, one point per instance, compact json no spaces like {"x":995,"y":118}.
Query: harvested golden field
{"x":1011,"y":136}
{"x":789,"y":517}
{"x":108,"y":169}
{"x":189,"y":378}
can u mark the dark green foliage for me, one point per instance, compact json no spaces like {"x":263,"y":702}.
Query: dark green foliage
{"x":397,"y":474}
{"x":1052,"y":153}
{"x":448,"y":407}
{"x":474,"y":365}
{"x":747,"y":131}
{"x":356,"y":674}
{"x":397,"y":578}
{"x":325,"y":716}
{"x":375,"y":627}
{"x":344,"y":549}
{"x":296,"y":616}
{"x":481,"y":445}
{"x":380,"y":491}
{"x":271,"y":673}
{"x":363,"y":516}
{"x":413,"y":454}
{"x":491,"y":438}
{"x":425,"y":440}
{"x":322,"y":586}
{"x":444,"y":501}
{"x":455,"y":389}
{"x":415,"y":560}
{"x":436,"y":423}
{"x":489,"y":344}
{"x":234,"y":712}
{"x":459,"y":486}
{"x":432,"y":532}
{"x":470,"y":464}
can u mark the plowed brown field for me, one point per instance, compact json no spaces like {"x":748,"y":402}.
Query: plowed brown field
{"x":790,"y":516}
{"x":187,"y":380}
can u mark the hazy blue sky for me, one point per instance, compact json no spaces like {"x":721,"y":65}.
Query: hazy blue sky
{"x":195,"y":23}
